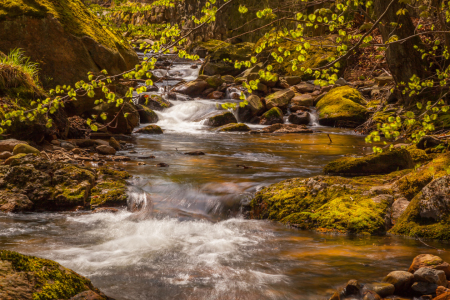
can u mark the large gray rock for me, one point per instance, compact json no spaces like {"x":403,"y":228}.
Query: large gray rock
{"x":9,"y":144}
{"x":434,"y":201}
{"x":398,"y":207}
{"x":279,"y":99}
{"x":429,"y":261}
{"x":303,"y":100}
{"x":220,"y":118}
{"x":401,"y":280}
{"x":431,"y":276}
{"x":193,"y":88}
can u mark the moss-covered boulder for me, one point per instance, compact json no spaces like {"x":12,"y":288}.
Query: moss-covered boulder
{"x":11,"y":202}
{"x":214,"y":81}
{"x":154,"y":102}
{"x":146,"y":115}
{"x":254,"y":108}
{"x":233,"y":127}
{"x":220,"y":118}
{"x":279,"y":99}
{"x":343,"y":107}
{"x":150,"y":129}
{"x":64,"y":37}
{"x":28,"y":277}
{"x":272,"y":116}
{"x":347,"y":205}
{"x":381,"y":163}
{"x":55,"y":186}
{"x":25,"y":149}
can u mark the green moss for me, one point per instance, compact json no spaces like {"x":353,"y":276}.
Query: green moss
{"x":411,"y":184}
{"x":73,"y":15}
{"x":109,"y":193}
{"x":342,"y":103}
{"x":418,"y":155}
{"x":219,"y":50}
{"x":273,"y":113}
{"x":112,"y":172}
{"x":52,"y":281}
{"x":325,"y":203}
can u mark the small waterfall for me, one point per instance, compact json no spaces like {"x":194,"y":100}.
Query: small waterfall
{"x":314,"y":117}
{"x":139,"y":201}
{"x":185,"y":116}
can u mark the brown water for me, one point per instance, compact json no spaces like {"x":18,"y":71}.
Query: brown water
{"x":191,"y":242}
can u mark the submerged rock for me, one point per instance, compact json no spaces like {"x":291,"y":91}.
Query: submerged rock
{"x":285,"y":128}
{"x":232,"y":127}
{"x":28,"y":277}
{"x":383,"y":163}
{"x":342,"y":107}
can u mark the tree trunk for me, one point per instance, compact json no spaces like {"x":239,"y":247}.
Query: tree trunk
{"x":403,"y":60}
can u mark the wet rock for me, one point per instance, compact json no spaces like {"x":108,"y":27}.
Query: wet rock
{"x":343,"y":106}
{"x":353,"y":288}
{"x":9,"y":144}
{"x":24,"y":277}
{"x":424,"y":288}
{"x":67,"y":146}
{"x":5,"y":155}
{"x":146,"y":115}
{"x":114,"y":143}
{"x":398,"y":208}
{"x":272,"y":116}
{"x":215,"y":95}
{"x":233,"y":127}
{"x":401,"y":280}
{"x":77,"y":151}
{"x":280,"y":99}
{"x":429,"y":261}
{"x":218,"y":68}
{"x":434,"y":201}
{"x":106,"y":150}
{"x":220,"y":118}
{"x":371,"y":295}
{"x":382,"y":288}
{"x":303,"y":100}
{"x":285,"y":128}
{"x":12,"y":159}
{"x":296,"y":108}
{"x":214,"y":81}
{"x":428,"y":142}
{"x":192,"y":88}
{"x":154,"y":102}
{"x":442,"y":290}
{"x":13,"y":203}
{"x":208,"y":91}
{"x":24,"y":149}
{"x":254,"y":108}
{"x":383,"y":163}
{"x":150,"y":129}
{"x":431,"y":276}
{"x":299,"y":118}
{"x":162,"y":165}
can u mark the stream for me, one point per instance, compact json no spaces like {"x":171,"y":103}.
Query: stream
{"x":191,"y":241}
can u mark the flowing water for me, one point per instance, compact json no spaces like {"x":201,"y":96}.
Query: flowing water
{"x":190,"y":241}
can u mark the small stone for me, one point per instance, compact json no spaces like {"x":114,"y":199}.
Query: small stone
{"x":24,"y":148}
{"x":371,"y":295}
{"x":9,"y":144}
{"x":150,"y":129}
{"x":353,"y":287}
{"x":76,"y":151}
{"x":67,"y":146}
{"x":195,"y":153}
{"x":105,"y":150}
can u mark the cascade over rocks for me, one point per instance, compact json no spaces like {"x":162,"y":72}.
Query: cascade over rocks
{"x":272,"y":116}
{"x":219,"y":118}
{"x":65,"y":38}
